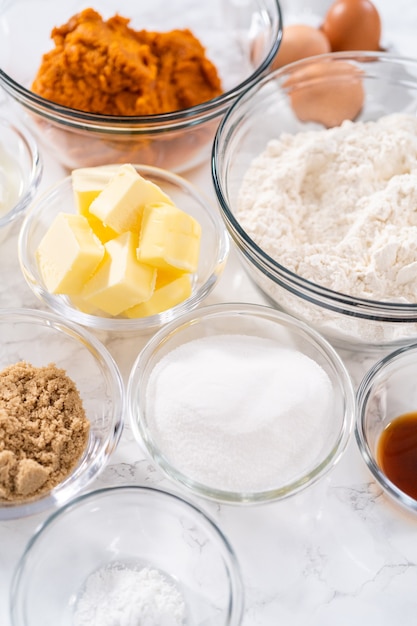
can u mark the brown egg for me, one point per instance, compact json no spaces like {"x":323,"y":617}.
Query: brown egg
{"x":298,"y":42}
{"x":352,"y":25}
{"x":327,"y":92}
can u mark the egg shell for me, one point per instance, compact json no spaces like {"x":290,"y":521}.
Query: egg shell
{"x":300,"y":41}
{"x":326,"y":92}
{"x":352,"y":25}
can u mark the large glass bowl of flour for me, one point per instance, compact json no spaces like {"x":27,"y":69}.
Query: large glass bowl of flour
{"x":315,"y":171}
{"x":240,"y":403}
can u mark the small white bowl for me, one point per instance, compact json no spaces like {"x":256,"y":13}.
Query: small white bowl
{"x":20,"y":173}
{"x":225,"y":450}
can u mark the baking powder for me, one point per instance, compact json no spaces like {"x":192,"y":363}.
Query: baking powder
{"x":339,"y":206}
{"x":116,"y":595}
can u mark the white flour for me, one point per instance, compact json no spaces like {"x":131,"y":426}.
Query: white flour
{"x":116,"y":595}
{"x":339,"y":207}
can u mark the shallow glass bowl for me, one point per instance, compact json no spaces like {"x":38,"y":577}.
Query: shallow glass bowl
{"x":240,"y":411}
{"x":241,"y":39}
{"x":129,"y":528}
{"x":41,"y":338}
{"x":20,"y":173}
{"x":214,"y":249}
{"x":387,"y":392}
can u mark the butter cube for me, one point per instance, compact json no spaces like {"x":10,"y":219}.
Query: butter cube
{"x":120,"y":281}
{"x":68,"y":254}
{"x":120,"y":204}
{"x":87,"y":184}
{"x":169,"y":291}
{"x":169,"y":238}
{"x":104,"y":233}
{"x":85,"y":307}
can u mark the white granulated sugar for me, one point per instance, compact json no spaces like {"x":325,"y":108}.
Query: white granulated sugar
{"x":240,"y":413}
{"x":339,"y":206}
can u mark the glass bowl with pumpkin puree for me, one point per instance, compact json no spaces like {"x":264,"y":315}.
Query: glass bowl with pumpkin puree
{"x":125,"y":81}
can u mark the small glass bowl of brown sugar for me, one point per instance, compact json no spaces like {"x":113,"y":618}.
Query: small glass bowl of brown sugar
{"x":61,"y":407}
{"x":386,"y":429}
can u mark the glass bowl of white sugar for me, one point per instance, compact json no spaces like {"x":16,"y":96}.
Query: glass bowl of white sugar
{"x":20,"y":173}
{"x":315,"y":170}
{"x":127,"y":555}
{"x":240,"y":403}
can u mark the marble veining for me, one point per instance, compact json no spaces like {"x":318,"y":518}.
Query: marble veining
{"x":339,"y":553}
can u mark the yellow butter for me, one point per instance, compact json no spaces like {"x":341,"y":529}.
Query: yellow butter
{"x":87,"y":184}
{"x":120,"y":281}
{"x":104,"y":233}
{"x":120,"y":204}
{"x":169,"y":238}
{"x":68,"y":254}
{"x":84,"y":306}
{"x":169,"y":291}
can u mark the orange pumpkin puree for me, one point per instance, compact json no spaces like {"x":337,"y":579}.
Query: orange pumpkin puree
{"x":106,"y":67}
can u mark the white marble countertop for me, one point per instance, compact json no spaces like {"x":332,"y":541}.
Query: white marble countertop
{"x":340,"y":552}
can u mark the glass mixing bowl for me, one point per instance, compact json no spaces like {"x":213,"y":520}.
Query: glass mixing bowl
{"x":386,"y":393}
{"x":41,"y":338}
{"x":220,"y":434}
{"x":20,"y":173}
{"x":241,"y":39}
{"x":214,"y":249}
{"x":264,"y":113}
{"x":131,"y":531}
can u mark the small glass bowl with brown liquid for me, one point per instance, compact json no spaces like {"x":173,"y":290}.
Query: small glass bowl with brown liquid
{"x":386,"y":427}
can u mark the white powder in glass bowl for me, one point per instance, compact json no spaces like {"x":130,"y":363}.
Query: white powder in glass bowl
{"x":339,"y":206}
{"x":118,"y":595}
{"x":241,"y":413}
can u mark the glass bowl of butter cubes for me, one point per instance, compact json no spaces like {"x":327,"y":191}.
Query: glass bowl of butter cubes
{"x":122,"y":247}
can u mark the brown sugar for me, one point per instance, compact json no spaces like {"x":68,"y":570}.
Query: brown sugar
{"x":106,"y":67}
{"x":43,"y":429}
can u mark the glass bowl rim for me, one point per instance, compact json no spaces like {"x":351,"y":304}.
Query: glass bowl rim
{"x":314,"y":293}
{"x":32,"y":177}
{"x":313,"y":337}
{"x":158,"y":123}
